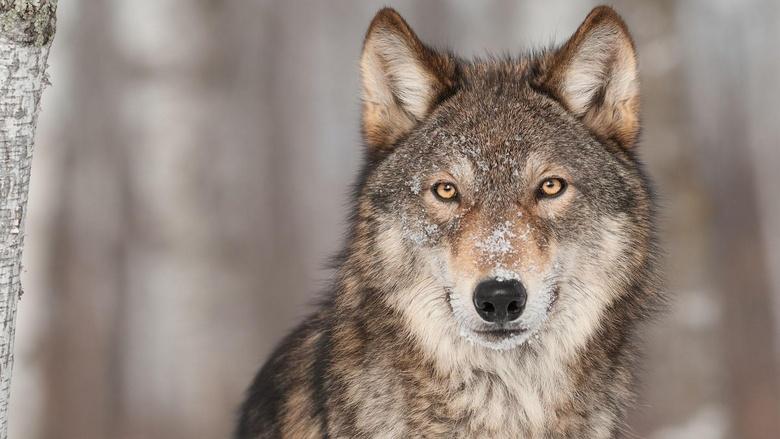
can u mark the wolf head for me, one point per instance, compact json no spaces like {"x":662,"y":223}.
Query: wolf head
{"x":502,"y":199}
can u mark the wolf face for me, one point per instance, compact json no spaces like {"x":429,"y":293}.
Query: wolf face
{"x":505,"y":200}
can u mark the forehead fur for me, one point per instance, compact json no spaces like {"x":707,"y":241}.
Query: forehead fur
{"x":497,"y":117}
{"x":497,"y":102}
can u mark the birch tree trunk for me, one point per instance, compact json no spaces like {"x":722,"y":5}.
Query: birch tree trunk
{"x":26,"y":31}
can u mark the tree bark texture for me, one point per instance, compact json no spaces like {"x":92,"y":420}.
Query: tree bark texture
{"x":26,"y":31}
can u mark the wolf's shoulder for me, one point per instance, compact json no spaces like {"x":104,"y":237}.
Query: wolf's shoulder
{"x":289,"y":373}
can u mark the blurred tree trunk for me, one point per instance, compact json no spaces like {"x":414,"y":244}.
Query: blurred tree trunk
{"x":26,"y":32}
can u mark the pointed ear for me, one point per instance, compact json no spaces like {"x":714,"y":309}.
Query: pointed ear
{"x":402,"y":80}
{"x":595,"y":76}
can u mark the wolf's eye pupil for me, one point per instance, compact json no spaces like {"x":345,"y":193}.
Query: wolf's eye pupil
{"x":552,"y":187}
{"x":445,"y":191}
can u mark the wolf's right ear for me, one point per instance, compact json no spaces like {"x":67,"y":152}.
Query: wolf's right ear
{"x":402,"y":80}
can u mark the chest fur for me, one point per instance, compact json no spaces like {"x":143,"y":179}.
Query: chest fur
{"x":529,"y":403}
{"x":489,"y":406}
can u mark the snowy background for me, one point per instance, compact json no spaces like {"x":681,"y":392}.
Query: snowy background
{"x":192,"y":169}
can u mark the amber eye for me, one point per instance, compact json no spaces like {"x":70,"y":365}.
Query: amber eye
{"x":445,"y":191}
{"x":552,"y":187}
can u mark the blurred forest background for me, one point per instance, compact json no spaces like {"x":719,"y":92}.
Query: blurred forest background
{"x":192,"y":169}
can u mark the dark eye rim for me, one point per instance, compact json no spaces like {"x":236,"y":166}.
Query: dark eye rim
{"x":540,"y":194}
{"x":454,"y":199}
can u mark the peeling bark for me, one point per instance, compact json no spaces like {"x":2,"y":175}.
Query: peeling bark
{"x":26,"y":31}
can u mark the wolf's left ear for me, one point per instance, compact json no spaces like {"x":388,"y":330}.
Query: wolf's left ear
{"x":402,"y":80}
{"x":595,"y":76}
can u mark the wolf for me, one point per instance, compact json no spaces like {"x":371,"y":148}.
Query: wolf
{"x":501,"y":254}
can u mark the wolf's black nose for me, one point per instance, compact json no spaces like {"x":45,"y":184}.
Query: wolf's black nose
{"x":500,"y":301}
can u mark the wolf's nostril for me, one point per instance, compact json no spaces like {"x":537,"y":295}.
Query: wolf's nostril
{"x":488,"y":307}
{"x":513,"y":307}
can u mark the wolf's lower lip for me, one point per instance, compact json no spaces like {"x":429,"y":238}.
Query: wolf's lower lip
{"x":500,"y":333}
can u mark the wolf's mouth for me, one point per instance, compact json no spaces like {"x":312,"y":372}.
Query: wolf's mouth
{"x":500,"y":333}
